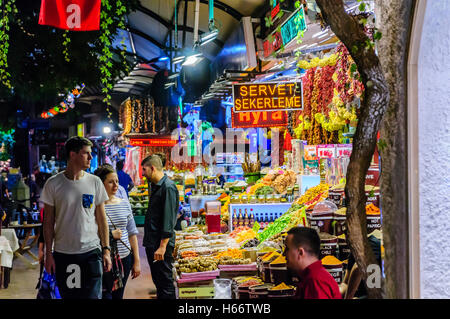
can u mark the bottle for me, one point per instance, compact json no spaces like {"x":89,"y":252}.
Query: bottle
{"x":252,"y":220}
{"x":241,"y":218}
{"x":235,"y":219}
{"x":260,"y":222}
{"x":246,"y":220}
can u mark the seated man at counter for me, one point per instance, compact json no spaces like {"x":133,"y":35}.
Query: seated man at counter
{"x":302,"y":256}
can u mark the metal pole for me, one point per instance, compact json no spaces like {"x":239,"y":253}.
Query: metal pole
{"x":197,"y":11}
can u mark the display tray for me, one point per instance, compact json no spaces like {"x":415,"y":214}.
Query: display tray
{"x":283,"y":292}
{"x":248,"y":267}
{"x":200,"y":274}
{"x":196,"y":279}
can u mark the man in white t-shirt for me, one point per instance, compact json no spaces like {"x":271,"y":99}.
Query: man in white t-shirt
{"x":75,"y":225}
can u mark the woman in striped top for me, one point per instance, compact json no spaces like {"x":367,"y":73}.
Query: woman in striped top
{"x":122,"y":229}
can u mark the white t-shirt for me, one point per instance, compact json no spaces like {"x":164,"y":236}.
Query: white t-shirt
{"x":76,"y":230}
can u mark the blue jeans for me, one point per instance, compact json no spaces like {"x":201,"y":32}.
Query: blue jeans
{"x":79,"y":276}
{"x":127,"y":264}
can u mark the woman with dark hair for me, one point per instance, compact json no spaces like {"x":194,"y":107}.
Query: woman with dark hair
{"x":123,"y":233}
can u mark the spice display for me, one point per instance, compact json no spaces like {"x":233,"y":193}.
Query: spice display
{"x":280,"y":260}
{"x":313,"y":194}
{"x":226,"y":260}
{"x":197,"y":264}
{"x":331,"y":260}
{"x":371,"y":209}
{"x":238,"y":230}
{"x":282,"y":286}
{"x":188,"y":254}
{"x":230,"y":252}
{"x":245,"y":235}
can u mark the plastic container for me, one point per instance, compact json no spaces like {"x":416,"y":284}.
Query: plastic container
{"x":259,"y":291}
{"x":328,"y":245}
{"x":278,"y":274}
{"x":322,"y":216}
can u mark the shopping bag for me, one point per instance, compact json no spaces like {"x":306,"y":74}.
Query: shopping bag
{"x":47,"y":286}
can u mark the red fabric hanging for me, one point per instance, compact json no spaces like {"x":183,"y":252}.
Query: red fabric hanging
{"x":287,"y":146}
{"x":73,"y":15}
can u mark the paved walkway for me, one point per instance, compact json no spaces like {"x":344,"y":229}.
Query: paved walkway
{"x":23,"y":280}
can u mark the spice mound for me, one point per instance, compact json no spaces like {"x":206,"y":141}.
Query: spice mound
{"x":279,"y":261}
{"x":282,"y":286}
{"x":331,"y":260}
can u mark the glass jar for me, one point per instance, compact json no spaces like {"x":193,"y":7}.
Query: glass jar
{"x":253,"y":199}
{"x":261,"y":199}
{"x":244,"y":199}
{"x":269,"y":198}
{"x":276,"y":198}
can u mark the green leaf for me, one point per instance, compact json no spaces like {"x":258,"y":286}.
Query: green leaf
{"x":362,"y":7}
{"x":353,"y":68}
{"x":297,"y":4}
{"x":377,"y":36}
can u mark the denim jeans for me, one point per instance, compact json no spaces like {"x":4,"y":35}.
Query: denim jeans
{"x":162,"y":274}
{"x":79,"y":276}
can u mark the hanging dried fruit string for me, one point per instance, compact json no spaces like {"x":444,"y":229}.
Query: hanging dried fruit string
{"x":8,"y":10}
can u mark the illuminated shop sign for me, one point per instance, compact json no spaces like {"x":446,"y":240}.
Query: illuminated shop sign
{"x":272,"y":44}
{"x":152,"y":142}
{"x":291,"y":27}
{"x":280,"y":96}
{"x":258,"y":119}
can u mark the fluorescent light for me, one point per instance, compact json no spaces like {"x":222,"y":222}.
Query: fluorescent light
{"x":208,"y":37}
{"x":173,"y":76}
{"x":163,"y":58}
{"x":192,"y":60}
{"x":323,"y":35}
{"x":315,"y":35}
{"x":178,"y":59}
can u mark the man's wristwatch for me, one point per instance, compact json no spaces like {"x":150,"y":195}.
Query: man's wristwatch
{"x":106,"y":247}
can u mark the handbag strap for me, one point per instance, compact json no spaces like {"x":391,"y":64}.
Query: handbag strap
{"x":120,"y":239}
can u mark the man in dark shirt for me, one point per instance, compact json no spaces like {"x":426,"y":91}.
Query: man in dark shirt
{"x":160,"y":220}
{"x":302,"y":256}
{"x":124,"y":179}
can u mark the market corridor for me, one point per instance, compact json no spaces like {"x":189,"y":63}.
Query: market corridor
{"x":24,"y":280}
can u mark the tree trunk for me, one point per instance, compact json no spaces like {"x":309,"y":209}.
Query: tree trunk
{"x":394,"y":20}
{"x":375,"y":102}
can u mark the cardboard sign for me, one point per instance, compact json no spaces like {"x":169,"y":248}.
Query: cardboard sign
{"x":326,"y":151}
{"x":344,"y":150}
{"x":258,"y":119}
{"x":280,"y":96}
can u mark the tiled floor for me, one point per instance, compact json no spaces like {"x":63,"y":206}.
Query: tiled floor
{"x":23,"y":280}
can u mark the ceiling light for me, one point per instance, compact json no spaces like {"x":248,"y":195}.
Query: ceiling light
{"x":208,"y":37}
{"x":192,"y":60}
{"x":178,"y":59}
{"x":323,"y":35}
{"x":173,"y":76}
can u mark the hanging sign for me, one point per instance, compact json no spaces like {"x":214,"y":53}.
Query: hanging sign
{"x":258,"y":119}
{"x":73,"y":15}
{"x":293,"y":25}
{"x":279,"y":96}
{"x":272,"y":44}
{"x":152,"y":142}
